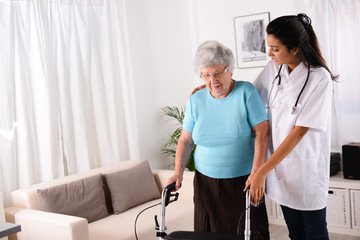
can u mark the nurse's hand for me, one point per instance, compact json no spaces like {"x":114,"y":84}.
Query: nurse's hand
{"x":257,"y":186}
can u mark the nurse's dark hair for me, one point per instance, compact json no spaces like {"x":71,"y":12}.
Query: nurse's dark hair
{"x":296,"y":31}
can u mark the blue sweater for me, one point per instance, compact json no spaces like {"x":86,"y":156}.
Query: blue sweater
{"x":222,"y":130}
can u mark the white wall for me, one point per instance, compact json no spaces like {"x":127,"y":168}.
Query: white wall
{"x":163,"y":38}
{"x":161,"y":60}
{"x":216,"y":21}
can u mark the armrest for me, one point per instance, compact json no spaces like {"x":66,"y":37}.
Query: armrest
{"x":39,"y":225}
{"x":186,"y":192}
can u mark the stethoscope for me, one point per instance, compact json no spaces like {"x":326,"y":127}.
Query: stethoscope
{"x":270,"y":105}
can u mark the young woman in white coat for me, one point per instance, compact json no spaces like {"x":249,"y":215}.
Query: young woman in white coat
{"x":296,"y":88}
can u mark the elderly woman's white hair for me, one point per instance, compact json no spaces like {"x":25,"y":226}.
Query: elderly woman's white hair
{"x":211,"y":53}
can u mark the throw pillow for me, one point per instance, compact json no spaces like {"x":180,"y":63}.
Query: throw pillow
{"x":83,"y":198}
{"x":131,"y":187}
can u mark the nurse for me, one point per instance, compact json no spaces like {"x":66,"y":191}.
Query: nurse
{"x":296,"y":88}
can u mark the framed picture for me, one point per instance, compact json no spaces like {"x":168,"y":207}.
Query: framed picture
{"x":251,"y":48}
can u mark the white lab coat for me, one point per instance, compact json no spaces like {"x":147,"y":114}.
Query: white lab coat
{"x":301,"y":180}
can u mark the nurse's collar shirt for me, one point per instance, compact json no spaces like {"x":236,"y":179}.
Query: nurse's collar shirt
{"x":301,"y":180}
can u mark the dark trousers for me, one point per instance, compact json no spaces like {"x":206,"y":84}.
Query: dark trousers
{"x":219,"y":204}
{"x":306,"y":225}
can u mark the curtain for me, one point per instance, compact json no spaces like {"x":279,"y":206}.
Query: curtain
{"x":67,"y":94}
{"x":337,"y":25}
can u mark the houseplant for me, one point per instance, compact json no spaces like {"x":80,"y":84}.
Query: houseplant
{"x":169,"y":148}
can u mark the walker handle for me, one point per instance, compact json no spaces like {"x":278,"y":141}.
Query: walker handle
{"x":168,"y":194}
{"x":171,"y":186}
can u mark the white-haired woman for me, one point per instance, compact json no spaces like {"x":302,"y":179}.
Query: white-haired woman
{"x":227,"y":122}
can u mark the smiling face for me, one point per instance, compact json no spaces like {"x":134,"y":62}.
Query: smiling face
{"x":217,"y":79}
{"x":280,"y":54}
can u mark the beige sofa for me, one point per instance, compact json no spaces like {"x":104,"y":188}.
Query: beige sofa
{"x":37,"y":224}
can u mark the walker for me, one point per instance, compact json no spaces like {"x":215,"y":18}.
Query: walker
{"x":168,"y":197}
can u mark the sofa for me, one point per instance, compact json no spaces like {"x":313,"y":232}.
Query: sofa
{"x":82,"y":207}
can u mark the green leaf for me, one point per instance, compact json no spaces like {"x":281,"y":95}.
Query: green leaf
{"x":169,"y":148}
{"x":175,"y":112}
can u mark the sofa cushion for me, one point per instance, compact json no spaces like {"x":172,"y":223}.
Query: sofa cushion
{"x":179,"y":216}
{"x":83,"y":198}
{"x":131,"y":187}
{"x":108,"y":201}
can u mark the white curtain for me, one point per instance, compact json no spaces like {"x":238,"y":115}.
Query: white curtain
{"x":67,"y":97}
{"x":337,"y":25}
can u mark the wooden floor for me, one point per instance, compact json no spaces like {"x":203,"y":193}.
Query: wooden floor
{"x":278,"y":232}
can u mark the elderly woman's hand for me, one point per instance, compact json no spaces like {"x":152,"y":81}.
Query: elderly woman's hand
{"x":177,"y":178}
{"x":248,"y":181}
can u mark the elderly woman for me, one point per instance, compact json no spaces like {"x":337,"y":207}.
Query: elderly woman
{"x":227,"y":122}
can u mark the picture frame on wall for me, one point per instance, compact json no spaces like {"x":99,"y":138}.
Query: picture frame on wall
{"x":250,"y":35}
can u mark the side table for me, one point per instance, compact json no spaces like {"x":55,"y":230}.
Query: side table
{"x":7,"y":229}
